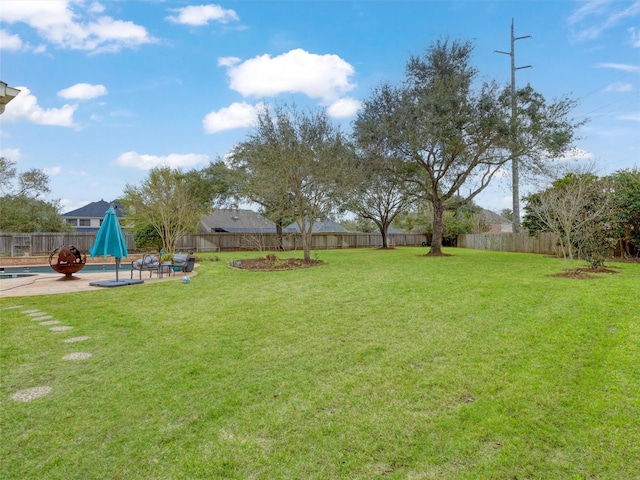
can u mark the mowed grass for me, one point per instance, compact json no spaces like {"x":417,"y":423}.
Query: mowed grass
{"x":377,"y":364}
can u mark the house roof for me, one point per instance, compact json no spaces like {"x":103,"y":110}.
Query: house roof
{"x":321,"y":226}
{"x":493,"y":217}
{"x":237,"y":221}
{"x":96,"y":210}
{"x":390,"y":230}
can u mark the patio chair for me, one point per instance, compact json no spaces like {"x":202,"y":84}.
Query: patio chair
{"x":148,"y":263}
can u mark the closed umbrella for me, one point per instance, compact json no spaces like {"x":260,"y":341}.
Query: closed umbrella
{"x":110,"y":240}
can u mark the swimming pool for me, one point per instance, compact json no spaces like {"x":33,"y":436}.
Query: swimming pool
{"x":8,"y":272}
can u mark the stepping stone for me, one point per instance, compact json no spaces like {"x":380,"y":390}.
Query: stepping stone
{"x":31,"y":394}
{"x":12,"y":307}
{"x":76,"y":339}
{"x":62,"y":328}
{"x":77,"y":356}
{"x":32,"y":313}
{"x":43,"y":317}
{"x":50,"y":322}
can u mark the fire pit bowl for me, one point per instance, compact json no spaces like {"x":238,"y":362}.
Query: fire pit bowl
{"x":67,"y":260}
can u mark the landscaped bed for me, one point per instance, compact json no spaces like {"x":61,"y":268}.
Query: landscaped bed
{"x":379,"y":363}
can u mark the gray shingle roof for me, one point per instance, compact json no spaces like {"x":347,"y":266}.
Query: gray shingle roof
{"x":236,"y":221}
{"x":493,"y":217}
{"x":95,"y":210}
{"x":322,"y":226}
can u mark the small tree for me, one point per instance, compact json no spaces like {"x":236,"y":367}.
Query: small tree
{"x":165,"y":201}
{"x":297,"y":165}
{"x":378,"y":196}
{"x":579,"y":208}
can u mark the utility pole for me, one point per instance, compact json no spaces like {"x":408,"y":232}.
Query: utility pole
{"x":515,"y":174}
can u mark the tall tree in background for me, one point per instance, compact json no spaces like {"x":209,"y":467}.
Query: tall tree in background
{"x":213,"y":185}
{"x":296,"y":165}
{"x":377,"y":196}
{"x":448,"y":135}
{"x":23,"y":207}
{"x":164,"y":199}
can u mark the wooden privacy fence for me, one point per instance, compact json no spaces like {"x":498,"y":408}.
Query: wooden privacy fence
{"x":18,"y":244}
{"x":545,"y":243}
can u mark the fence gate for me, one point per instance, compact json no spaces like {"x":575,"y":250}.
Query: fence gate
{"x":21,"y":244}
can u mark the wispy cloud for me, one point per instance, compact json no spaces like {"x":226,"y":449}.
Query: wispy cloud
{"x":619,"y":87}
{"x":173,"y":160}
{"x":635,"y":117}
{"x":593,"y":17}
{"x":620,"y":66}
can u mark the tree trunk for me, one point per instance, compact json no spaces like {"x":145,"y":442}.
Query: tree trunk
{"x":383,"y":231}
{"x":436,"y":239}
{"x":306,"y":246}
{"x":279,"y":241}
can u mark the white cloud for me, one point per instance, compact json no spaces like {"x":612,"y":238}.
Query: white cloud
{"x":173,"y":160}
{"x":69,"y":24}
{"x":53,"y":171}
{"x":83,"y":91}
{"x":635,"y":117}
{"x":237,"y":115}
{"x":228,"y":61}
{"x":12,"y":154}
{"x":24,"y":107}
{"x":9,"y":42}
{"x":199,"y":15}
{"x":343,"y":108}
{"x":576,"y":154}
{"x":318,"y":76}
{"x":619,"y":87}
{"x":620,"y":66}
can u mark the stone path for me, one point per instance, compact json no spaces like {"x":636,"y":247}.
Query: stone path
{"x":34,"y":393}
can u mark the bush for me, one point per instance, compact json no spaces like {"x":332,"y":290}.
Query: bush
{"x":147,"y":238}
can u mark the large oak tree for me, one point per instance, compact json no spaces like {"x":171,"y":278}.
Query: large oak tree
{"x":452,"y":134}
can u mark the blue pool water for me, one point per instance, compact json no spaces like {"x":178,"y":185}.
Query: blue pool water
{"x":89,"y":268}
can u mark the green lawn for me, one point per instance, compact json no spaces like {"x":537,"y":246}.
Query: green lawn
{"x":377,"y":364}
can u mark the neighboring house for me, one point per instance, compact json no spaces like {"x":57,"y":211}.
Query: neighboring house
{"x":321,"y":226}
{"x":498,"y":223}
{"x":88,"y":219}
{"x":237,"y":221}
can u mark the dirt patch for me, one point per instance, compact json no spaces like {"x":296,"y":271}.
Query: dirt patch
{"x":274,"y":264}
{"x":585,"y":273}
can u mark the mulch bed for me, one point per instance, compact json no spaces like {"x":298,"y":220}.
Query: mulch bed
{"x":270,"y":264}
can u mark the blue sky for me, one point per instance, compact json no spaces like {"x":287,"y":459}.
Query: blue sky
{"x":110,"y":89}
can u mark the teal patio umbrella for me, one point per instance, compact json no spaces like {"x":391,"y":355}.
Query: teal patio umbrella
{"x":110,"y":239}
